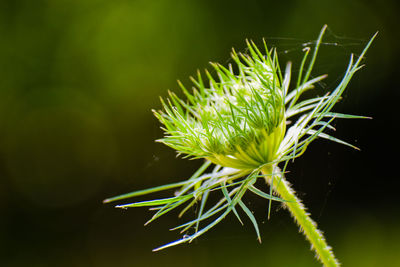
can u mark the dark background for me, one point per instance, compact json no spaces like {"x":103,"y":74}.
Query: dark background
{"x":78,"y":80}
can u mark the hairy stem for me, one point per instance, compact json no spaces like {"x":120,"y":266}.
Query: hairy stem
{"x":277,"y":181}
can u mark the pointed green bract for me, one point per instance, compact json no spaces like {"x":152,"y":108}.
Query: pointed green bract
{"x":238,"y":122}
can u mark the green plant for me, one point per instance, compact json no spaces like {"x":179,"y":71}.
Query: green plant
{"x":239,"y":123}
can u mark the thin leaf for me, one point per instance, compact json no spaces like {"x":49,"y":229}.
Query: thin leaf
{"x":155,"y":202}
{"x":229,"y":201}
{"x":331,"y":138}
{"x":252,"y":218}
{"x":145,"y":191}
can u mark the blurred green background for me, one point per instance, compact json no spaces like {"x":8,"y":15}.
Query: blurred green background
{"x":78,"y":80}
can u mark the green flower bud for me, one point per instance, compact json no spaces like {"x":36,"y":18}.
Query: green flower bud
{"x":237,"y":121}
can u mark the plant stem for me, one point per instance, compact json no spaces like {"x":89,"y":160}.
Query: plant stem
{"x":277,"y":181}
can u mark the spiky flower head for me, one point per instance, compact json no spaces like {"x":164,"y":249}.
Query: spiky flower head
{"x":236,"y":121}
{"x":239,"y":121}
